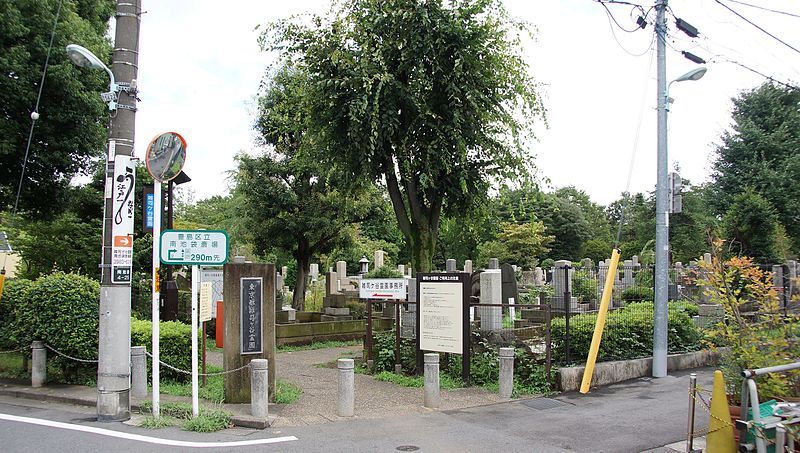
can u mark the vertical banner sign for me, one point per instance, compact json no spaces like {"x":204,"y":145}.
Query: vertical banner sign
{"x":122,"y":220}
{"x":250,"y":317}
{"x":148,"y":209}
{"x":205,"y":301}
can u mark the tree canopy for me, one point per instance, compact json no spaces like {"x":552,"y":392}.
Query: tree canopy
{"x":72,"y":125}
{"x":433,"y":98}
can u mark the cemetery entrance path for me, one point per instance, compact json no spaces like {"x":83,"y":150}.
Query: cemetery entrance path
{"x":315,"y":373}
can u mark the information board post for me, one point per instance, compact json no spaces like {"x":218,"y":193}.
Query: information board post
{"x":195,"y":289}
{"x":443,"y":317}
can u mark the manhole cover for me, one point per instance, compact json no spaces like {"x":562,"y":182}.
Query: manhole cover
{"x":407,"y":448}
{"x":541,"y":404}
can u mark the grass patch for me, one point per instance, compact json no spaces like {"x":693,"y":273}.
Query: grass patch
{"x":286,"y":392}
{"x":11,"y":366}
{"x":209,"y":420}
{"x":214,"y":390}
{"x":151,"y":422}
{"x":318,"y":345}
{"x":445,"y":382}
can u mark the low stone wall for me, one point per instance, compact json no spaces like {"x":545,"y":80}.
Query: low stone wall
{"x":309,"y":332}
{"x":606,"y":373}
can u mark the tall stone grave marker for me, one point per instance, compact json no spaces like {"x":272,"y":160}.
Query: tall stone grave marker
{"x":249,"y":318}
{"x":491,"y":293}
{"x":509,"y":284}
{"x":468,"y":266}
{"x":314,"y":271}
{"x":450,"y":265}
{"x":494,"y":263}
{"x":379,"y":256}
{"x":562,"y":282}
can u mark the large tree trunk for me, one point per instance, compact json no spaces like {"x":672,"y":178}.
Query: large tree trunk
{"x":299,"y":297}
{"x":423,"y":246}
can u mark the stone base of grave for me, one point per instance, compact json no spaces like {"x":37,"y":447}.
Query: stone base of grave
{"x":326,"y":318}
{"x":335,"y":311}
{"x":334,"y":300}
{"x":533,"y":315}
{"x":285,"y":316}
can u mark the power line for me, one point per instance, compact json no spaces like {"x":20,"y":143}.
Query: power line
{"x":758,"y":27}
{"x":765,"y":9}
{"x":611,"y":16}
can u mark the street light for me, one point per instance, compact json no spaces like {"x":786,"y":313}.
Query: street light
{"x":662,"y":224}
{"x":84,"y":58}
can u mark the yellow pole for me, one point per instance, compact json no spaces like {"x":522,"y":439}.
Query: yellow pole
{"x":601,"y":322}
{"x":2,"y":281}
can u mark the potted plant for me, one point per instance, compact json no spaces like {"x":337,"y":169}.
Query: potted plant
{"x":755,"y":332}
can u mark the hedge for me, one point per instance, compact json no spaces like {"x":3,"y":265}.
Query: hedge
{"x":14,"y":330}
{"x":175,"y":346}
{"x":628,"y":333}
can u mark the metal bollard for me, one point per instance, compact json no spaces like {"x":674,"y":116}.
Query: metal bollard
{"x":138,"y":372}
{"x":259,"y":388}
{"x":432,"y":397}
{"x":39,"y":364}
{"x":690,"y":430}
{"x":346,"y":388}
{"x":506,"y":372}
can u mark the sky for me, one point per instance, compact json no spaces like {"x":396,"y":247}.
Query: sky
{"x":200,"y":67}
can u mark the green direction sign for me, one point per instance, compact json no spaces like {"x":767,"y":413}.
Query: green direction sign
{"x":194,"y":247}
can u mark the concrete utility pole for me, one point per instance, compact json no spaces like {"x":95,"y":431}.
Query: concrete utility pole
{"x":662,"y":205}
{"x":113,"y":371}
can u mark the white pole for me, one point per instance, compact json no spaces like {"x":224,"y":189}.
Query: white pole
{"x":195,"y":390}
{"x":156,"y":299}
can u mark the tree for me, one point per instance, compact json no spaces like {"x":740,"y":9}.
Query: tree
{"x":433,"y":97}
{"x":761,"y":153}
{"x":751,"y":225}
{"x":290,"y":199}
{"x":520,"y":244}
{"x":71,"y":129}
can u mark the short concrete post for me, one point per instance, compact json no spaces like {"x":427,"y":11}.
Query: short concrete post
{"x":39,"y":364}
{"x":259,"y":388}
{"x":138,"y":372}
{"x":432,"y":394}
{"x":346,"y":394}
{"x":506,"y":372}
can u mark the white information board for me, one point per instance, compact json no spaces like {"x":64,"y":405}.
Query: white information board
{"x":441,"y":316}
{"x":382,"y":288}
{"x":205,"y":301}
{"x":194,"y":247}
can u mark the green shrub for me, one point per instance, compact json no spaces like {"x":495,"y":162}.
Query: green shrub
{"x":63,"y":313}
{"x":637,"y":293}
{"x":14,"y":313}
{"x":628,"y":333}
{"x":383,"y":352}
{"x":175,"y":346}
{"x":357,"y":310}
{"x":584,"y":288}
{"x":383,"y":272}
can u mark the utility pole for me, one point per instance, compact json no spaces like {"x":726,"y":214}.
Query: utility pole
{"x":113,"y":370}
{"x":662,"y":206}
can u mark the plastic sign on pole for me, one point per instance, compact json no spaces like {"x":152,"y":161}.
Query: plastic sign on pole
{"x":206,"y":291}
{"x":122,"y":219}
{"x":382,"y":288}
{"x":194,"y":247}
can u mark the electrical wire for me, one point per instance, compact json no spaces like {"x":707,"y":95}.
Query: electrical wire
{"x":619,"y":43}
{"x":611,"y":16}
{"x":757,"y":26}
{"x":765,"y":9}
{"x":627,"y":198}
{"x":35,"y":113}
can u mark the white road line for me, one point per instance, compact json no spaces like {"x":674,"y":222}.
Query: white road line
{"x":137,"y":437}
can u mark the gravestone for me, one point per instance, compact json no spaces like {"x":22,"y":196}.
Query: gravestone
{"x":331,"y":286}
{"x":284,"y":271}
{"x":378,"y":258}
{"x":587,"y":264}
{"x":627,"y":271}
{"x":249,"y":317}
{"x":401,"y":269}
{"x":408,"y":316}
{"x":562,"y":282}
{"x":450,"y":265}
{"x":509,"y":283}
{"x":468,"y":266}
{"x":494,"y":263}
{"x":491,"y":293}
{"x":314,"y":271}
{"x":341,"y":270}
{"x":528,"y":278}
{"x":791,"y":270}
{"x":538,"y":277}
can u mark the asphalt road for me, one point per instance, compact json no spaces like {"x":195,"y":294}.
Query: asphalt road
{"x":633,"y":416}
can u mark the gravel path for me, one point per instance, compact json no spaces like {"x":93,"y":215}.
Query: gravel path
{"x":374,"y":398}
